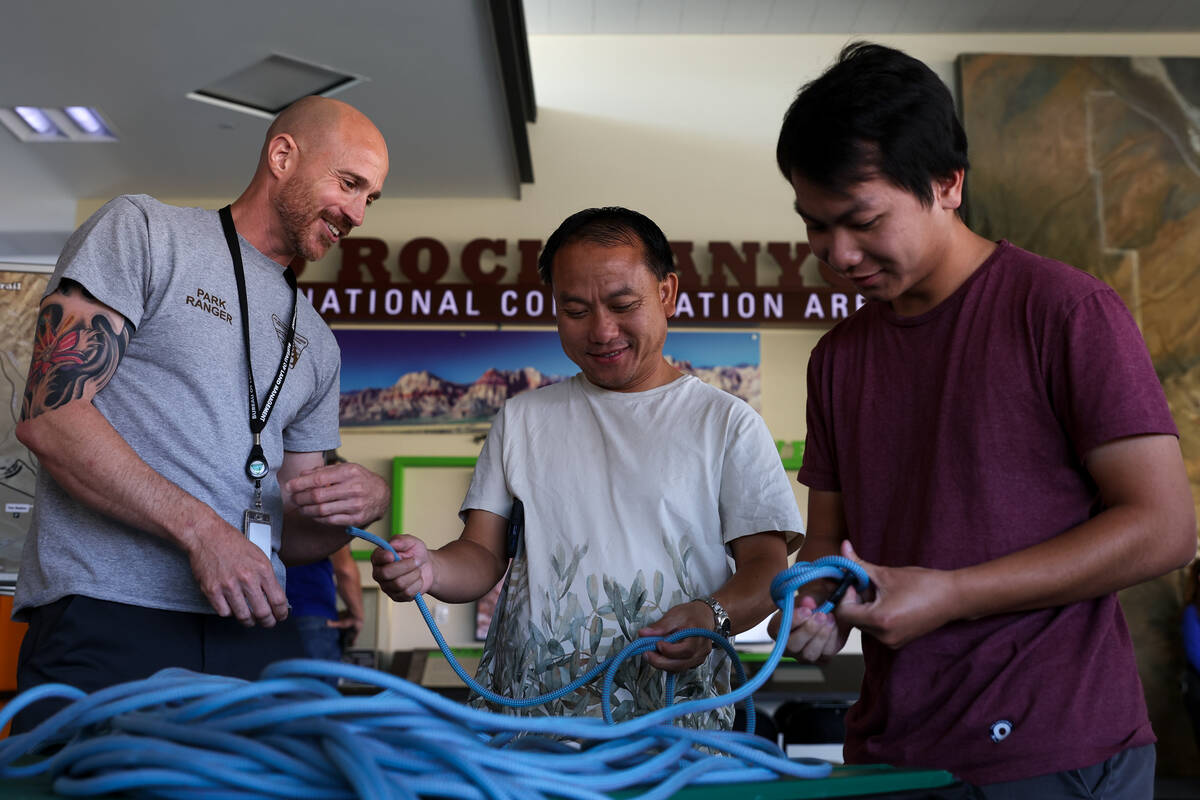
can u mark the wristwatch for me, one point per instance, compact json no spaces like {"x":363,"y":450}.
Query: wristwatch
{"x":721,"y":623}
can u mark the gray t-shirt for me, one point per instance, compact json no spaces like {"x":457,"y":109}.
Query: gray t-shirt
{"x":179,"y":397}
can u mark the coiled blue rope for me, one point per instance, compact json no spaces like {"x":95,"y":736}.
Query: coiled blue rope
{"x":181,"y":735}
{"x":608,"y":667}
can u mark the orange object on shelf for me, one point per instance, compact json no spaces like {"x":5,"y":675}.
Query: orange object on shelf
{"x":11,"y":634}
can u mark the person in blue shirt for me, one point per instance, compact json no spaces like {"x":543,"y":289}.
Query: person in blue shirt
{"x":1191,"y":647}
{"x":312,"y":592}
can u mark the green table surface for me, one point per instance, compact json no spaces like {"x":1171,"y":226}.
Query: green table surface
{"x":857,"y":780}
{"x":846,"y":781}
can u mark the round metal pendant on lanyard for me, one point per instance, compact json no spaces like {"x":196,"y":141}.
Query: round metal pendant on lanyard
{"x":256,"y":463}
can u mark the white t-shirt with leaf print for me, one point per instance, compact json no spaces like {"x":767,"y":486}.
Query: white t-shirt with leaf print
{"x":630,"y":499}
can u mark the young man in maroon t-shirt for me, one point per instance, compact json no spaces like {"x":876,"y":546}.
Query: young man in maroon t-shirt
{"x":988,"y":437}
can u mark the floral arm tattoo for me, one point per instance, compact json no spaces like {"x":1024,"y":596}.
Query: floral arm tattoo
{"x":76,"y":350}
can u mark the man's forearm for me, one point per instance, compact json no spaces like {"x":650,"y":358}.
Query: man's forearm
{"x":1147,"y":529}
{"x":746,"y":595}
{"x":464,"y":571}
{"x":92,"y":462}
{"x":1114,"y":550}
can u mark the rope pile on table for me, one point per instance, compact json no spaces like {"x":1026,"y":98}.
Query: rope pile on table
{"x":179,"y":734}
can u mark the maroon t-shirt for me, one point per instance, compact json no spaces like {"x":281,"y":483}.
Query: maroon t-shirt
{"x":956,"y":437}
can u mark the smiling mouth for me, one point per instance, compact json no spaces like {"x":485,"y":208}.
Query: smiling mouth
{"x":608,"y":355}
{"x":334,"y":232}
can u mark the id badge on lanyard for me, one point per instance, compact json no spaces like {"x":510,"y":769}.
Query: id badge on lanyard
{"x":256,"y":523}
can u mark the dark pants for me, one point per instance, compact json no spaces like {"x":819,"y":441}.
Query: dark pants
{"x":91,"y":644}
{"x":320,"y":640}
{"x":1129,"y":775}
{"x":1191,"y":699}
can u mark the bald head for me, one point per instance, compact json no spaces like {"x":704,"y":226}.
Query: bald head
{"x":319,"y":123}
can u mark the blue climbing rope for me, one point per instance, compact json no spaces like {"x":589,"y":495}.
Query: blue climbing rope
{"x":608,"y":668}
{"x":289,"y":734}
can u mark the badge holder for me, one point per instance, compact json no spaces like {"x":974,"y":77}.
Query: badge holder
{"x":256,"y":523}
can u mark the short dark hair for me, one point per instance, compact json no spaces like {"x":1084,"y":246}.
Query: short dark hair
{"x":876,"y":111}
{"x":611,"y":226}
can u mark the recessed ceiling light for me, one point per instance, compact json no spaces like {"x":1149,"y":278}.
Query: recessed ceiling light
{"x":271,"y":85}
{"x":87,"y":119}
{"x":37,"y":120}
{"x":46,"y":124}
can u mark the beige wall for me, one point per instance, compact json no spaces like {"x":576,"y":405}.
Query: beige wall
{"x":681,"y":128}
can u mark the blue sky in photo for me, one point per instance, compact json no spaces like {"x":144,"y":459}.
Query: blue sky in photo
{"x":375,"y":358}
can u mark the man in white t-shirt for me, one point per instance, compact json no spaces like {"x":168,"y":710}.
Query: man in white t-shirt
{"x":635,"y":483}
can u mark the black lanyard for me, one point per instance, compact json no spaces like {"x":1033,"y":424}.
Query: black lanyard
{"x":256,"y":464}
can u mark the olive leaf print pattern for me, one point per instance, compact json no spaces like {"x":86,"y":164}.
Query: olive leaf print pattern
{"x":543,"y":639}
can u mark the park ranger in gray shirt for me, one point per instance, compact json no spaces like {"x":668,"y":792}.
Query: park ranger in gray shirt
{"x":180,"y":397}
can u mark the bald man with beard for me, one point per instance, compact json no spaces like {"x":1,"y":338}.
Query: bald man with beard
{"x":174,"y":488}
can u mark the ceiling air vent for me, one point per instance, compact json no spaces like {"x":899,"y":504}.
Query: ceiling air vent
{"x":271,"y":85}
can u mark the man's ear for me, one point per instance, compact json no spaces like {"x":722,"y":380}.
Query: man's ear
{"x":947,"y":191}
{"x":282,"y":154}
{"x":668,"y":291}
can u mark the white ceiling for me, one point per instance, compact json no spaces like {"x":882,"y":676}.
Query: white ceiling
{"x":434,"y":88}
{"x":858,"y":16}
